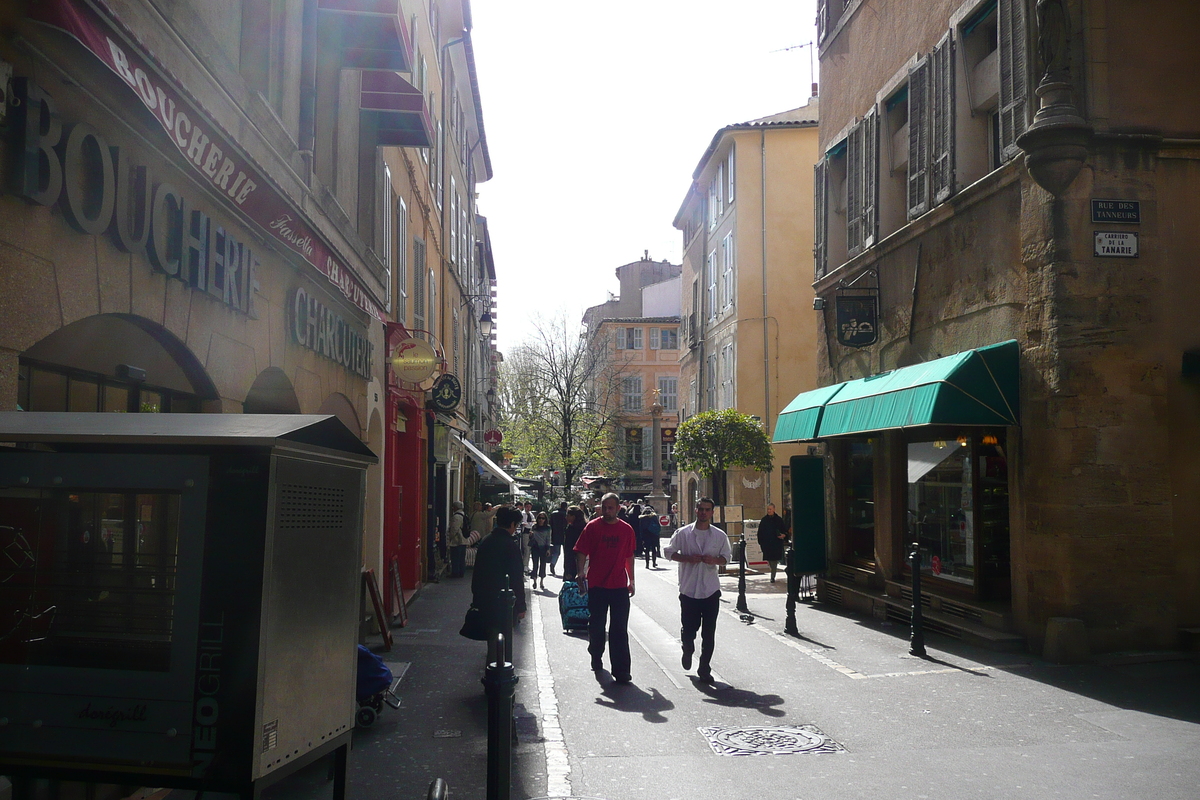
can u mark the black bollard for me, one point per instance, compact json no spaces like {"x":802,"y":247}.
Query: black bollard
{"x":741,"y":557}
{"x":917,"y":641}
{"x":793,"y":596}
{"x":499,"y":681}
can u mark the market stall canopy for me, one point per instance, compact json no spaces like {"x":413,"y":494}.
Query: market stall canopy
{"x":975,"y":387}
{"x":490,"y":466}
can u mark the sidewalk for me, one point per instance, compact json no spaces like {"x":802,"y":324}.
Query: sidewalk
{"x":440,"y":729}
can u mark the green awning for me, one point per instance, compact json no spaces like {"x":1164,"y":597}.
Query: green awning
{"x":799,"y":421}
{"x":975,"y":387}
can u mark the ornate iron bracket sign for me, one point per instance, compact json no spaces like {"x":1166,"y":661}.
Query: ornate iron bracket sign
{"x":856,"y":312}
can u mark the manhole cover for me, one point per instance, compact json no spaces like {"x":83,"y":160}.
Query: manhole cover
{"x":764,"y":740}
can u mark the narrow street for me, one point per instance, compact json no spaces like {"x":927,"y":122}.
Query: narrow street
{"x":962,"y":723}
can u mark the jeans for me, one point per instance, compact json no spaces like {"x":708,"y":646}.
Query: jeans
{"x":602,"y":603}
{"x":700,"y":615}
{"x":540,"y":556}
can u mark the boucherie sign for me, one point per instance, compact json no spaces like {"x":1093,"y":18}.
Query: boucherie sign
{"x":208,"y":150}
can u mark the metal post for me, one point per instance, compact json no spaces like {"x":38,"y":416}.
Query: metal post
{"x":793,"y":595}
{"x":741,"y":557}
{"x":917,"y":647}
{"x":500,"y":682}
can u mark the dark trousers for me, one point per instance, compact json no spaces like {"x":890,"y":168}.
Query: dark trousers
{"x":700,"y":615}
{"x":540,"y":556}
{"x":458,"y":561}
{"x":601,"y":604}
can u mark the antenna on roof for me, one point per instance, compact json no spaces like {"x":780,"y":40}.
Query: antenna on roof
{"x":811,"y":66}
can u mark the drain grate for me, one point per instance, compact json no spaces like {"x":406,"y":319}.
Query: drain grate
{"x":769,"y":740}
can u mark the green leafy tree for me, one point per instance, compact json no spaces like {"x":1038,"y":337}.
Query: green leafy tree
{"x":713,"y":442}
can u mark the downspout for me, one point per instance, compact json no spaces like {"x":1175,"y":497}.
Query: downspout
{"x":762,"y":188}
{"x":307,"y":115}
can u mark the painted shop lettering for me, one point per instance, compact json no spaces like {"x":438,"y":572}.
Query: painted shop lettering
{"x":187,"y":135}
{"x":316,"y":327}
{"x":100,"y":191}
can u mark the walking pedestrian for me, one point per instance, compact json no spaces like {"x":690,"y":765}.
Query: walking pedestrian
{"x":498,"y":567}
{"x":648,"y":533}
{"x":527,"y":520}
{"x":604,"y":561}
{"x":576,"y":519}
{"x":700,"y":548}
{"x":772,"y":538}
{"x":558,"y":529}
{"x":539,"y":548}
{"x":456,"y":541}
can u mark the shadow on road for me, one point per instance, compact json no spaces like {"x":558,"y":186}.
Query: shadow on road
{"x":729,"y":697}
{"x":632,"y":698}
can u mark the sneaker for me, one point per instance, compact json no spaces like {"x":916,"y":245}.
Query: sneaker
{"x":622,"y":679}
{"x":687,"y":659}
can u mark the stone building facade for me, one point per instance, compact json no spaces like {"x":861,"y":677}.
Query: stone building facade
{"x":1019,"y":195}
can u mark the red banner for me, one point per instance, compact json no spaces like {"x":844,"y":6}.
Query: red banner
{"x":208,"y":149}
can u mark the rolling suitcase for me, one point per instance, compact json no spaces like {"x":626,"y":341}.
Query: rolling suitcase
{"x":572,"y":607}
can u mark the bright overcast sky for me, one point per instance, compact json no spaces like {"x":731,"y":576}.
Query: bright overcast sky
{"x":596,"y":114}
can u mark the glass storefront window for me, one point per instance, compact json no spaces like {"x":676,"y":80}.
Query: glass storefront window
{"x":941,"y":512}
{"x":860,"y":501}
{"x":84,"y":395}
{"x":47,"y":391}
{"x":88,"y":579}
{"x":41,"y":388}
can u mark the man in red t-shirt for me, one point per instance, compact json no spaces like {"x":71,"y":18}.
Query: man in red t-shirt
{"x":606,"y":546}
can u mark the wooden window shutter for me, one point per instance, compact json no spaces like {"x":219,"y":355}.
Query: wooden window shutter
{"x":822,"y":19}
{"x":941,"y":120}
{"x":820,"y":217}
{"x":854,"y":171}
{"x":1012,"y":75}
{"x":870,"y":178}
{"x":918,"y":139}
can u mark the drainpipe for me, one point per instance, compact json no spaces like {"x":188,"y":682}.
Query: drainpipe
{"x":308,"y":87}
{"x":762,"y":188}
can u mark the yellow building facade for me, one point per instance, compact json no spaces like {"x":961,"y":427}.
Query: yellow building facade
{"x":748,"y":338}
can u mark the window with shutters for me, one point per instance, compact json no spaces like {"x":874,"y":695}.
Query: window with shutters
{"x":820,"y":212}
{"x":401,"y":266}
{"x":719,"y":183}
{"x":1013,"y":69}
{"x":892,"y":188}
{"x":419,"y":285}
{"x":631,"y":393}
{"x":654,"y":338}
{"x":668,"y":392}
{"x":727,"y":271}
{"x":727,"y":376}
{"x":384,"y":220}
{"x":710,"y":279}
{"x":861,"y":170}
{"x":669,"y":339}
{"x":941,"y":121}
{"x":918,"y":139}
{"x":835,"y":205}
{"x":453,"y":221}
{"x":454,"y":343}
{"x":633,"y":338}
{"x":431,"y":290}
{"x":619,"y":338}
{"x":633,"y":448}
{"x":712,"y":205}
{"x":729,"y":161}
{"x":711,"y":380}
{"x":977,"y":118}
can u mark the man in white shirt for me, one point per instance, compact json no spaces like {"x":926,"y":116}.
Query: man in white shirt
{"x":700,"y":548}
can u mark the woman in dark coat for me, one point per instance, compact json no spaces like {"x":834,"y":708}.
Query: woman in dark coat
{"x":772,"y":538}
{"x":498,"y":567}
{"x":575,"y":522}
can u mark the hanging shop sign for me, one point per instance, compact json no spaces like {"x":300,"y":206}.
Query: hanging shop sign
{"x":211,"y":152}
{"x":493,"y":437}
{"x":857,"y":318}
{"x":1128,"y":211}
{"x":668,"y":435}
{"x":447,"y":393}
{"x":1116,"y":244}
{"x":316,"y":327}
{"x":414,"y":360}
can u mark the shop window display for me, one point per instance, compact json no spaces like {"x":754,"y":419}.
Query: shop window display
{"x":941,"y":508}
{"x":860,"y":502}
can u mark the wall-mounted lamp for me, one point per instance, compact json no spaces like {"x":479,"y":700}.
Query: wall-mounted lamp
{"x":990,"y":440}
{"x":485,"y":325}
{"x":962,"y":441}
{"x":818,"y":304}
